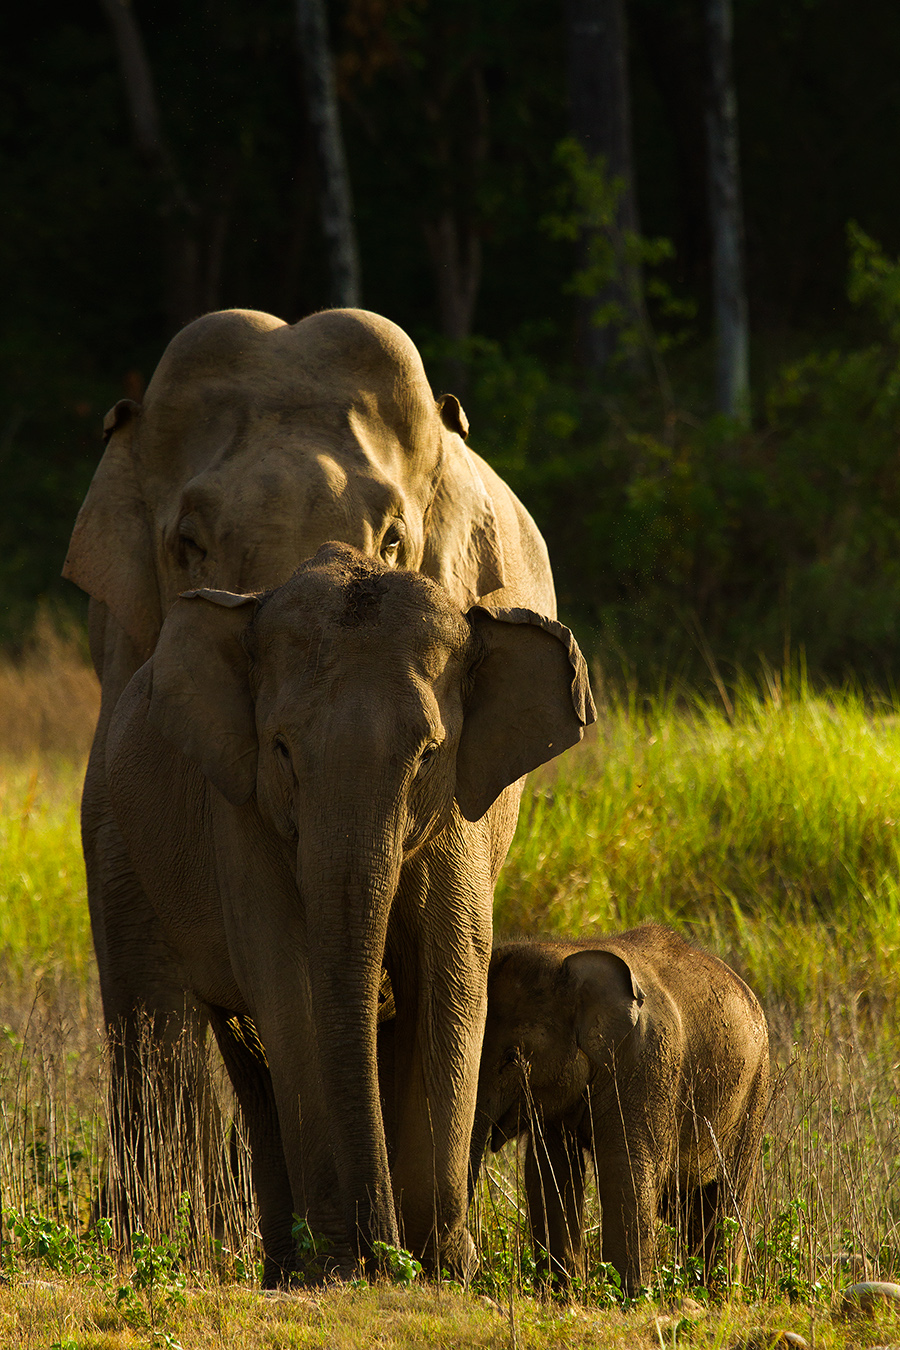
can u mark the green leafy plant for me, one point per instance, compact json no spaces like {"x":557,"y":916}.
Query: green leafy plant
{"x":783,"y":1243}
{"x":312,"y":1249}
{"x":41,"y":1238}
{"x":397,"y":1263}
{"x":156,"y":1287}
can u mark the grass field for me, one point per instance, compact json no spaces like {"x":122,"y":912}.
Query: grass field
{"x":764,"y":825}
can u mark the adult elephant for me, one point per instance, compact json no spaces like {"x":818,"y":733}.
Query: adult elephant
{"x":256,"y":442}
{"x":313,"y":783}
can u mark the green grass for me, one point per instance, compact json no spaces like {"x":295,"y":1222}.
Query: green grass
{"x":764,"y":825}
{"x":770,"y":831}
{"x":43,"y":898}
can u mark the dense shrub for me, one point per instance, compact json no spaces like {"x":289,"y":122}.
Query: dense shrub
{"x":676,"y":536}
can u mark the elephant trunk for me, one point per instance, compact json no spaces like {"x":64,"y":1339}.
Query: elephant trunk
{"x":481,"y":1129}
{"x":348,"y":890}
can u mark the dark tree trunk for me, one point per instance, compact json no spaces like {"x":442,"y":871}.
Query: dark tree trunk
{"x":597,"y":55}
{"x":726,"y":220}
{"x":452,"y":233}
{"x":185,"y":294}
{"x":335,"y":198}
{"x":672,"y":38}
{"x":455,"y":253}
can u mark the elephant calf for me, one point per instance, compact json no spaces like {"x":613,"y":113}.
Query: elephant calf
{"x":646,"y":1055}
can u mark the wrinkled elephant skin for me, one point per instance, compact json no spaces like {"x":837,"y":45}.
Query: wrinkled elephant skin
{"x":353,"y":744}
{"x":256,"y":442}
{"x":643,"y":1053}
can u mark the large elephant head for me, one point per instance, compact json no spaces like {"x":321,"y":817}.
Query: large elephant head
{"x":258,"y":441}
{"x":360,"y":714}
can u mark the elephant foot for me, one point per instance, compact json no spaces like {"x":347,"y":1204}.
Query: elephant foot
{"x":275,"y":1276}
{"x":459,"y":1256}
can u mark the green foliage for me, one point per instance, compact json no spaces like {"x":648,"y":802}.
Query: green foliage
{"x":677,"y":538}
{"x":783,"y":1243}
{"x":312,"y":1249}
{"x":156,"y":1287}
{"x":399,"y":1265}
{"x":39,"y":1238}
{"x":506,"y":1261}
{"x":618,"y":261}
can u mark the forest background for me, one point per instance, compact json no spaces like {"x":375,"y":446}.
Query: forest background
{"x":682,"y":538}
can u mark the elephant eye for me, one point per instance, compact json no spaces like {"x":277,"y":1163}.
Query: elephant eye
{"x":280,"y":747}
{"x":390,"y":544}
{"x":191,"y":549}
{"x":426,"y":759}
{"x":510,"y":1057}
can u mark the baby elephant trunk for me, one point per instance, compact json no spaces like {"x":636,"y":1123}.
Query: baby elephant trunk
{"x":481,"y":1130}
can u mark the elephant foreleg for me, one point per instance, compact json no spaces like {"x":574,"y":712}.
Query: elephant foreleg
{"x":160,"y":1093}
{"x":438,"y":952}
{"x":554,"y":1184}
{"x":245,"y":1061}
{"x":627,"y":1182}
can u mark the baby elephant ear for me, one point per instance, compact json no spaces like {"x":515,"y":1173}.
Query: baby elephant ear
{"x":608,"y":1001}
{"x":531,"y":699}
{"x":200,"y":689}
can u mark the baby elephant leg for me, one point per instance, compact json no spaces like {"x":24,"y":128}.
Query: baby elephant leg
{"x":629,"y":1206}
{"x":554,"y":1183}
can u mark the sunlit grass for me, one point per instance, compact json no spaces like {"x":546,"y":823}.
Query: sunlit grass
{"x":770,"y":833}
{"x":765,"y":827}
{"x":43,"y":898}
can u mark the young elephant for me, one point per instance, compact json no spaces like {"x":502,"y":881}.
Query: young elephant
{"x":646,"y":1055}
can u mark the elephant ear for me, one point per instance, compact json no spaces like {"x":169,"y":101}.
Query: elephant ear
{"x":463,"y":549}
{"x":530,"y":700}
{"x":111,"y":551}
{"x":200,"y":696}
{"x":608,"y":1002}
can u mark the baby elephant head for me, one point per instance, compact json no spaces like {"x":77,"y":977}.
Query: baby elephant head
{"x":556,"y":1017}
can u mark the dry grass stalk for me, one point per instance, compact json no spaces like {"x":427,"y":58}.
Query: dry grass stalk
{"x":49,"y":696}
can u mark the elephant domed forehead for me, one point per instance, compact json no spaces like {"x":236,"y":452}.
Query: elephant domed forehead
{"x":350,"y":380}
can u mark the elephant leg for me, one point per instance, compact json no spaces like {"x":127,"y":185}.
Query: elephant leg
{"x":245,"y":1061}
{"x":554,"y":1185}
{"x":159,"y":1076}
{"x":159,"y":1081}
{"x":627,"y":1183}
{"x":438,"y":951}
{"x":703,"y":1226}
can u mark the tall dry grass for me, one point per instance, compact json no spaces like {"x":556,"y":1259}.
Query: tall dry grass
{"x":49,"y":696}
{"x":767,"y":830}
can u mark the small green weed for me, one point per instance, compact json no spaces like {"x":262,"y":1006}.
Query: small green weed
{"x":312,"y":1250}
{"x":41,"y":1238}
{"x":157,"y":1284}
{"x":399,"y":1265}
{"x":784,"y":1244}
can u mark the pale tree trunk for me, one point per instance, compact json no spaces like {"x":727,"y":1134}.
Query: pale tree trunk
{"x":726,"y":220}
{"x":185,"y":294}
{"x":335,"y":198}
{"x":597,"y":59}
